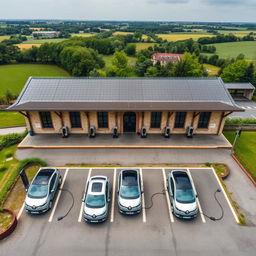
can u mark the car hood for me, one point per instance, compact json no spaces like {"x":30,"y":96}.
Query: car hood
{"x":35,"y":201}
{"x":129,"y":202}
{"x":92,"y":211}
{"x":186,"y":207}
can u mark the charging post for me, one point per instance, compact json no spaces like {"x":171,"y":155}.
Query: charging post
{"x":24,"y":178}
{"x":238,"y":134}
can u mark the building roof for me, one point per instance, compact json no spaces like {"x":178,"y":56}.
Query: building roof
{"x":239,"y":86}
{"x":124,"y":94}
{"x":166,"y":56}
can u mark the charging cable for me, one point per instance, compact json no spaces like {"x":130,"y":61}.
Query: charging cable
{"x":73,"y":201}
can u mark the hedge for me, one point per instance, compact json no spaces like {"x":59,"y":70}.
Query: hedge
{"x":230,"y":121}
{"x":15,"y":173}
{"x":10,"y":139}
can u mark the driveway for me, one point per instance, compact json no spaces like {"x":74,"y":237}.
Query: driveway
{"x":249,"y":107}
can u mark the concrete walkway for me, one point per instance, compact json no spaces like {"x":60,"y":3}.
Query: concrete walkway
{"x":81,"y":141}
{"x":243,"y":191}
{"x":4,"y":131}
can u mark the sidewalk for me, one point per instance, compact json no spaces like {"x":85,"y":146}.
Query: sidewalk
{"x":4,"y":131}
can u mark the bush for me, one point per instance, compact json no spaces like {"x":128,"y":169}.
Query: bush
{"x":240,"y":121}
{"x":11,"y":180}
{"x":10,"y":139}
{"x":8,"y":155}
{"x":3,"y":168}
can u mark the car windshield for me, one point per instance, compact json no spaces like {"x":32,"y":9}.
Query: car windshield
{"x":129,"y":192}
{"x":95,"y":201}
{"x":38,"y":191}
{"x":185,"y":196}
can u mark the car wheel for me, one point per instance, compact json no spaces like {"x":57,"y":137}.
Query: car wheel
{"x":50,"y":205}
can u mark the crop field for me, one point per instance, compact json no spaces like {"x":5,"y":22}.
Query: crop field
{"x":4,"y":37}
{"x":123,"y":33}
{"x":141,"y":46}
{"x":27,"y":46}
{"x":41,"y":41}
{"x":182,"y":36}
{"x":239,"y":33}
{"x":14,"y":77}
{"x":83,"y":34}
{"x":231,"y":50}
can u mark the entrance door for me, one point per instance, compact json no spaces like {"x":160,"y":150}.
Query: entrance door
{"x":129,"y":122}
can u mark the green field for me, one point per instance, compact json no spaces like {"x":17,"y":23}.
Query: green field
{"x":108,"y":61}
{"x":41,"y":41}
{"x":231,"y":50}
{"x":239,"y":33}
{"x":211,"y":70}
{"x":183,"y":36}
{"x":11,"y":119}
{"x":14,"y":77}
{"x":245,"y":149}
{"x":4,"y":37}
{"x":141,"y":46}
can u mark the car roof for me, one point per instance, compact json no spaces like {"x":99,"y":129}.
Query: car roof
{"x":97,"y":185}
{"x":43,"y":176}
{"x":129,"y":177}
{"x":182,"y":179}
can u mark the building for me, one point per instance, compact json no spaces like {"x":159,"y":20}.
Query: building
{"x":241,"y":90}
{"x":45,"y":34}
{"x":164,"y":58}
{"x":128,"y":103}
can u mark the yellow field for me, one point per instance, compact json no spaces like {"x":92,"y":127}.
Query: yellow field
{"x":141,"y":46}
{"x":83,"y":35}
{"x":121,"y":33}
{"x":4,"y":37}
{"x":177,"y":37}
{"x":239,"y":33}
{"x":211,"y":70}
{"x":27,"y":46}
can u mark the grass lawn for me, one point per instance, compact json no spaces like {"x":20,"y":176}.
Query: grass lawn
{"x":108,"y":61}
{"x":41,"y":41}
{"x":211,"y":70}
{"x":4,"y":37}
{"x":10,"y":119}
{"x":245,"y":149}
{"x":141,"y":46}
{"x":232,"y":49}
{"x":14,"y":77}
{"x":182,"y":36}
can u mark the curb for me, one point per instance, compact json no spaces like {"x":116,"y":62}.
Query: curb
{"x":12,"y":227}
{"x":244,"y":170}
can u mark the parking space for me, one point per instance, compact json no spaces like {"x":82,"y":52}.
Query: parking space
{"x":154,"y":231}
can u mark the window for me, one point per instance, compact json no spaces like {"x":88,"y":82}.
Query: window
{"x":204,"y":119}
{"x":75,"y":119}
{"x":180,"y":119}
{"x":156,"y":119}
{"x":46,"y":119}
{"x":52,"y":182}
{"x":102,"y":119}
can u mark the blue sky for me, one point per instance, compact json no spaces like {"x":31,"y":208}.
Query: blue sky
{"x":169,"y":10}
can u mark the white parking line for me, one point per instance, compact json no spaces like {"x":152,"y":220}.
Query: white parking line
{"x":143,"y":197}
{"x":21,"y":210}
{"x":226,"y":197}
{"x":249,"y":107}
{"x":197,"y":200}
{"x":243,"y":107}
{"x":113,"y":197}
{"x":254,"y":107}
{"x":253,"y":116}
{"x":167,"y":197}
{"x":82,"y":205}
{"x":58,"y":197}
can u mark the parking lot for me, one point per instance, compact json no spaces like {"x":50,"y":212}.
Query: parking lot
{"x":153,"y":232}
{"x":249,"y":107}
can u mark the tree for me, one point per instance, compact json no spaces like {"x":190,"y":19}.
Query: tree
{"x":152,"y":72}
{"x":120,"y":63}
{"x":237,"y":71}
{"x":130,"y":49}
{"x":189,"y":66}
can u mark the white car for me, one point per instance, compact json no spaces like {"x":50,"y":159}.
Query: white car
{"x":129,"y":192}
{"x":42,"y":190}
{"x":96,"y":199}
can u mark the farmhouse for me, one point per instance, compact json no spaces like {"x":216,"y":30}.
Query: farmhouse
{"x":126,"y":104}
{"x":165,"y":58}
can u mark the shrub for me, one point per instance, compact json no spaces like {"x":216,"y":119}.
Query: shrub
{"x":8,"y":155}
{"x":11,"y":181}
{"x":230,"y":121}
{"x":10,"y":139}
{"x":3,"y":168}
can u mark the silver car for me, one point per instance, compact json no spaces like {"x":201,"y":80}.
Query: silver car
{"x":96,"y":199}
{"x":182,"y":194}
{"x":129,"y":192}
{"x":42,"y":190}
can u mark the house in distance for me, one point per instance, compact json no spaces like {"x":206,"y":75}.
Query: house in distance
{"x":164,"y":58}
